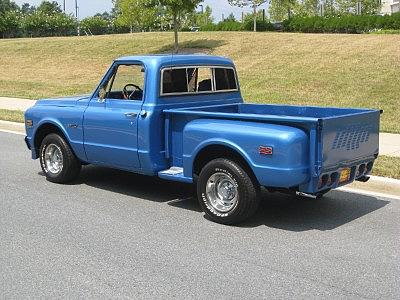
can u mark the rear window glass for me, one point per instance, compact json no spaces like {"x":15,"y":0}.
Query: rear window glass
{"x":197,"y":80}
{"x":225,"y":79}
{"x":175,"y":81}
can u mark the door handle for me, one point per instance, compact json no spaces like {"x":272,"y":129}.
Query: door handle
{"x":130,"y":115}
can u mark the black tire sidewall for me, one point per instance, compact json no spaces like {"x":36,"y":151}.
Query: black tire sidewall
{"x":245,"y":187}
{"x":66,"y":153}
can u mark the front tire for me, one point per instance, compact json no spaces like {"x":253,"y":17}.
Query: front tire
{"x":226,"y":192}
{"x":58,"y":162}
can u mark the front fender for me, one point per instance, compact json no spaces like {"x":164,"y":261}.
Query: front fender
{"x":286,"y":167}
{"x":68,"y":119}
{"x":38,"y":127}
{"x":74,"y":139}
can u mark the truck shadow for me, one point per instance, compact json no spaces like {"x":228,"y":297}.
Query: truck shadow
{"x":205,"y":46}
{"x":294,"y":213}
{"x":276,"y":210}
{"x":139,"y":186}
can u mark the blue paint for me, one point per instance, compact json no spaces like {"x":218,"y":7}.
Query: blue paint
{"x":166,"y":131}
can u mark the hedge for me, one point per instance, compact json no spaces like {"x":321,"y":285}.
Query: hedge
{"x":342,"y":24}
{"x":238,"y":26}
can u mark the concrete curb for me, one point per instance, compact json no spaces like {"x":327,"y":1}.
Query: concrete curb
{"x":16,"y":103}
{"x":376,"y":186}
{"x":13,"y":127}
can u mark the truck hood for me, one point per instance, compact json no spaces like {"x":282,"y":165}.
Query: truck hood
{"x":65,"y":101}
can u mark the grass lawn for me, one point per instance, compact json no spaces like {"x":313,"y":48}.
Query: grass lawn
{"x":12,"y":115}
{"x":304,"y":69}
{"x":387,"y":166}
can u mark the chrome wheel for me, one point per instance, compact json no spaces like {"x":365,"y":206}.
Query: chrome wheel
{"x":53,"y":159}
{"x":222,"y":193}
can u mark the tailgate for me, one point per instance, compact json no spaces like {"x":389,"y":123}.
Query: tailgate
{"x":349,"y":138}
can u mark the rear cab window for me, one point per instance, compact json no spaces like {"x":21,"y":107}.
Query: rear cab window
{"x":197,"y":80}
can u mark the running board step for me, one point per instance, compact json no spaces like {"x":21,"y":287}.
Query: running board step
{"x":175,"y":174}
{"x":172,"y":171}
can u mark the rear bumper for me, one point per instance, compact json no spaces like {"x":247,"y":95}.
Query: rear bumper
{"x":328,"y":180}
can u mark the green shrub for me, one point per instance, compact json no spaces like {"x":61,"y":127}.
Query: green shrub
{"x":209,"y":27}
{"x":261,"y":25}
{"x":10,"y":24}
{"x":342,"y":24}
{"x":40,"y":24}
{"x":227,"y":25}
{"x":95,"y":25}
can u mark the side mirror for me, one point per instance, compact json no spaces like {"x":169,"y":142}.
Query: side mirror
{"x":102,"y":94}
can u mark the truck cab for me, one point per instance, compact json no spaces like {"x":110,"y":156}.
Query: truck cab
{"x":182,"y":118}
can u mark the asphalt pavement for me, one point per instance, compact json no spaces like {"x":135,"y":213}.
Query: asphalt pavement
{"x":113,"y":234}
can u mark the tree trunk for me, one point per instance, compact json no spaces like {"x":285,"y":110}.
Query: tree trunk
{"x":176,"y":44}
{"x":255,"y":16}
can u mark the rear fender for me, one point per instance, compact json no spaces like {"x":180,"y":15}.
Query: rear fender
{"x":287,"y":166}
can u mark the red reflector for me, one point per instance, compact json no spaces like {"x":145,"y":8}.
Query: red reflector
{"x":264,"y":150}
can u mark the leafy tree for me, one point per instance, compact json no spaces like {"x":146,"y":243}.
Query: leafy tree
{"x":49,"y":8}
{"x":9,"y":24}
{"x":306,"y":8}
{"x":205,"y":17}
{"x":9,"y":18}
{"x":26,"y":9}
{"x":176,"y":8}
{"x":282,"y":9}
{"x":105,"y":16}
{"x":230,"y":18}
{"x":7,"y":5}
{"x":253,"y":3}
{"x":197,"y":18}
{"x":137,"y":14}
{"x":368,"y":7}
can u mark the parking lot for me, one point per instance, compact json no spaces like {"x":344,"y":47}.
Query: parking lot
{"x":113,"y":234}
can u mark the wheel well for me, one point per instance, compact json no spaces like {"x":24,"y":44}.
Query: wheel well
{"x":218,"y":151}
{"x":43,"y":131}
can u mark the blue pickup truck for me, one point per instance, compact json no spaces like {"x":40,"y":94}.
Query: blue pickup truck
{"x":182,"y":118}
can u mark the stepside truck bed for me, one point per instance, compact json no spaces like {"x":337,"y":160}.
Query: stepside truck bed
{"x":337,"y":137}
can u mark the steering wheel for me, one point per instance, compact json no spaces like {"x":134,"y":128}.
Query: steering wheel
{"x":128,"y":94}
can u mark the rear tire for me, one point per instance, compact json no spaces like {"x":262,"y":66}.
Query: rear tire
{"x":226,"y":193}
{"x":58,"y":162}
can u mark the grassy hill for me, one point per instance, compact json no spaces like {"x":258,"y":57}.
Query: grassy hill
{"x":304,"y":69}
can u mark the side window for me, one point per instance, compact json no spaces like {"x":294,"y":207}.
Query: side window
{"x":127,"y":83}
{"x":225,"y":79}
